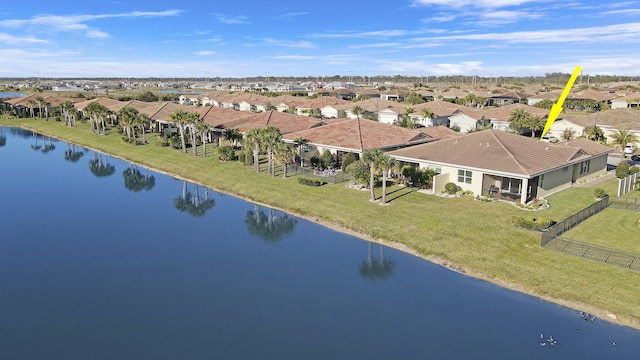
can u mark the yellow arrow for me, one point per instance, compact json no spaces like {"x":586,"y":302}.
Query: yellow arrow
{"x":556,"y":109}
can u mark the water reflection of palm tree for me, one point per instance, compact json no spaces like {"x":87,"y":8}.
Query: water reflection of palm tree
{"x":135,"y":181}
{"x":3,"y":139}
{"x":101,"y":168}
{"x":35,"y":146}
{"x":192,"y":202}
{"x":272,"y":227}
{"x":376,"y":268}
{"x":47,"y":147}
{"x":73,"y":154}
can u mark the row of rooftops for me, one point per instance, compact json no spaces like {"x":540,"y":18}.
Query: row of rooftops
{"x":490,"y":149}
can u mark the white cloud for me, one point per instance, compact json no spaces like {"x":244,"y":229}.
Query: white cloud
{"x":294,"y":57}
{"x":205,"y":53}
{"x":472,"y":3}
{"x":366,"y":34}
{"x":232,"y":20}
{"x":287,"y":43}
{"x":60,"y":23}
{"x":628,"y":12}
{"x":289,"y":16}
{"x":629,"y":32}
{"x":421,"y":67}
{"x":10,"y":39}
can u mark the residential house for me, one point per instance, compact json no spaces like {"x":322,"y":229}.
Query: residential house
{"x":357,"y":135}
{"x":629,"y":101}
{"x":507,"y":98}
{"x":505,"y":165}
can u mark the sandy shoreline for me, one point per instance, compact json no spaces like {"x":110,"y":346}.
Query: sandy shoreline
{"x":600,"y":313}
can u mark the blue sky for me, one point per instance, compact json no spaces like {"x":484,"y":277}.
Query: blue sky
{"x":317,"y":38}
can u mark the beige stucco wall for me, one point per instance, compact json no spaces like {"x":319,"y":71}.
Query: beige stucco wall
{"x":558,"y":127}
{"x":555,"y":181}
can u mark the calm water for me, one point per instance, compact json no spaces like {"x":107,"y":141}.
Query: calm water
{"x":101,"y":259}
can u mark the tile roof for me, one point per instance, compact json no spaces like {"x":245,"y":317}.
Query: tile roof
{"x":499,"y":151}
{"x":625,"y":118}
{"x":360,"y":134}
{"x":285,"y":122}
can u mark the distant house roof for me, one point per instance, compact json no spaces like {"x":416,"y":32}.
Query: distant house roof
{"x":626,"y":118}
{"x":357,"y":135}
{"x":284,"y":122}
{"x":503,"y":152}
{"x":504,"y":112}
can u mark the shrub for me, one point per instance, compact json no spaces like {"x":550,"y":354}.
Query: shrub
{"x":310,"y":181}
{"x":531,"y":223}
{"x":348,"y":160}
{"x":359,"y":171}
{"x":634,"y":170}
{"x":599,"y":193}
{"x":622,"y":171}
{"x":225,"y":153}
{"x":327,"y":160}
{"x":450,"y":188}
{"x":315,"y":162}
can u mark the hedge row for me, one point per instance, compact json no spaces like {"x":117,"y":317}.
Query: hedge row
{"x":310,"y":181}
{"x":531,"y":223}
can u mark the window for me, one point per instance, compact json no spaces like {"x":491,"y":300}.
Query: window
{"x":464,"y":176}
{"x":584,"y":167}
{"x":436,"y":169}
{"x":541,"y":181}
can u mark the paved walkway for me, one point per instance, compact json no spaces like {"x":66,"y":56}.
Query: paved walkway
{"x":610,"y":175}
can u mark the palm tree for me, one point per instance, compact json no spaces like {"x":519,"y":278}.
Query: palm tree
{"x":39,"y":100}
{"x":65,"y":107}
{"x":285,"y":154}
{"x":371,"y":156}
{"x":535,"y":123}
{"x":385,"y":163}
{"x":623,"y":137}
{"x":179,"y":117}
{"x":568,"y":134}
{"x":31,"y":103}
{"x":142,"y":121}
{"x":299,"y":143}
{"x":426,"y":113}
{"x":518,"y":119}
{"x":127,"y":118}
{"x":271,"y":138}
{"x":357,"y":111}
{"x":253,"y":139}
{"x":45,"y":105}
{"x":232,"y":136}
{"x":192,"y":120}
{"x":202,"y":129}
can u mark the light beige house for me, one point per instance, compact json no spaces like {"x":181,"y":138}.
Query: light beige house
{"x":628,"y":101}
{"x":505,"y":165}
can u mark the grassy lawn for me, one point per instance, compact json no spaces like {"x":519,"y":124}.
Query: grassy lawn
{"x":476,"y":236}
{"x":614,"y":228}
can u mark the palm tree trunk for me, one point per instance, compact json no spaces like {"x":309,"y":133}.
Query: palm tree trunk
{"x":371,"y":181}
{"x":384,"y":186}
{"x":184,"y":145}
{"x":256,"y":160}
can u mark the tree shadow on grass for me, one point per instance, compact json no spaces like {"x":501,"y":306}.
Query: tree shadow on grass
{"x":400,"y":192}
